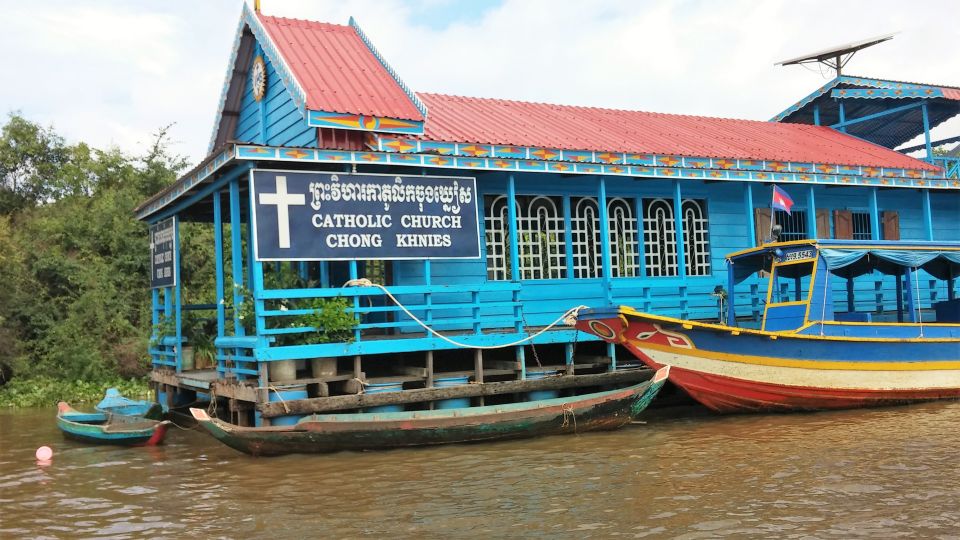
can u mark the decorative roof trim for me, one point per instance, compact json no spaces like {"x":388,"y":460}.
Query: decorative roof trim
{"x":386,"y":143}
{"x":289,"y":79}
{"x":887,"y":93}
{"x":360,"y":122}
{"x":248,"y":18}
{"x":207,"y":168}
{"x":366,"y":41}
{"x":807,"y":100}
{"x":651,"y":166}
{"x":905,"y":87}
{"x":227,"y":79}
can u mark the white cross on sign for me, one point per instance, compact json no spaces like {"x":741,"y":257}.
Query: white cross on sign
{"x":283,"y":200}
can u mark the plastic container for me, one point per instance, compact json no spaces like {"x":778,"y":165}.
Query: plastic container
{"x":447,"y":382}
{"x":379,"y":388}
{"x":541,"y":394}
{"x":287,"y":393}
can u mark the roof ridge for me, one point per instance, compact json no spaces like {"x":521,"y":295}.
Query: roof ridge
{"x":596,"y":108}
{"x":304,"y":22}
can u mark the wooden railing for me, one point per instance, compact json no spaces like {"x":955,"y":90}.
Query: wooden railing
{"x":951,"y":165}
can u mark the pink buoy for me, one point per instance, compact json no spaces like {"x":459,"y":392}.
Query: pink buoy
{"x":44,"y":453}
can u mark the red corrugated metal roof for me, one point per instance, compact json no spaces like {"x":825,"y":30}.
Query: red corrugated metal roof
{"x":337,"y":70}
{"x":518,"y":123}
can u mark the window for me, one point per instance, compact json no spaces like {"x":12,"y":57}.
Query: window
{"x":497,"y":225}
{"x":659,"y":238}
{"x":624,"y":260}
{"x":861,"y":226}
{"x":696,"y":238}
{"x":541,"y":234}
{"x":585,"y":222}
{"x":793,"y":226}
{"x":660,"y":241}
{"x":791,"y":283}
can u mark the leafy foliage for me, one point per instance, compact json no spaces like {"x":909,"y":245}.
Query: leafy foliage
{"x":332,"y":319}
{"x":74,"y":300}
{"x":47,"y":391}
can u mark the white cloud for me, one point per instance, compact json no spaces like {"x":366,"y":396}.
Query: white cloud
{"x":112,"y":73}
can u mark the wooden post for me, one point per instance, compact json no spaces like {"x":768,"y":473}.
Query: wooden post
{"x":357,"y":371}
{"x":263,"y":393}
{"x":568,"y":357}
{"x":429,"y":369}
{"x":478,"y":368}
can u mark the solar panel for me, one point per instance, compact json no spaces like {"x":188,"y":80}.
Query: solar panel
{"x":837,"y":57}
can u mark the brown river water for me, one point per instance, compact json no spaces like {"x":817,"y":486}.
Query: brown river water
{"x":881,"y":473}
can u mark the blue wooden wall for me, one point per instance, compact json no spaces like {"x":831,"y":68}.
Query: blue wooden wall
{"x":730,"y":230}
{"x":284,"y":124}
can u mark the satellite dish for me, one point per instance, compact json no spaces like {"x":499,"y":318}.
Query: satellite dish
{"x":837,"y":57}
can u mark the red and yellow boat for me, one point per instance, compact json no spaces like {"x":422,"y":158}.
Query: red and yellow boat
{"x":805,"y":355}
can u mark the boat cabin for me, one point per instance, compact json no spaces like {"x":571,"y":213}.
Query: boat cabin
{"x":349,"y":243}
{"x":811,"y":287}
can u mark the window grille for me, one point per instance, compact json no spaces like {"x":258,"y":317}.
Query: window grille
{"x":585,"y":222}
{"x":696,"y":238}
{"x":793,"y":226}
{"x":659,"y":238}
{"x":497,"y":233}
{"x":861,"y":226}
{"x":624,"y":260}
{"x":541,"y":238}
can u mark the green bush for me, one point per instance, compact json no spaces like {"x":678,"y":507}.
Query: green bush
{"x":47,"y":391}
{"x":74,"y":261}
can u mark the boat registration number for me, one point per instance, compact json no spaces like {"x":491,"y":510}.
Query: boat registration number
{"x":798,"y":255}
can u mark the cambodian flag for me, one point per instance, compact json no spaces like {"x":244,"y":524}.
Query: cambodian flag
{"x":781,"y":200}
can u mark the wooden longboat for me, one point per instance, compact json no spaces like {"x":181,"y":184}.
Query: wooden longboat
{"x":106,"y":428}
{"x":373,"y":431}
{"x":806,"y":356}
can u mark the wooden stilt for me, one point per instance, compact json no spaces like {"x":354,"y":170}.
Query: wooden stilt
{"x":478,"y":368}
{"x":429,"y":383}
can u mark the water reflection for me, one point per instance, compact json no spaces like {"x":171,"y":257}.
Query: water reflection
{"x":882,"y":472}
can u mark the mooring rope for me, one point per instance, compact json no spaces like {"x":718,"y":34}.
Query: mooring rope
{"x":282,"y":401}
{"x":568,"y":318}
{"x":568,"y":409}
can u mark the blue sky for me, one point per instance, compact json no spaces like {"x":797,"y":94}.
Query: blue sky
{"x":111,"y":72}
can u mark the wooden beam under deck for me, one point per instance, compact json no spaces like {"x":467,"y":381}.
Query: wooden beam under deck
{"x":340,"y":403}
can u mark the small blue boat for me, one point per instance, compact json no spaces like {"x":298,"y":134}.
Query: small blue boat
{"x":106,"y":428}
{"x":117,"y":420}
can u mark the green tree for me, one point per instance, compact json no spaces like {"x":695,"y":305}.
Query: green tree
{"x":73,"y":259}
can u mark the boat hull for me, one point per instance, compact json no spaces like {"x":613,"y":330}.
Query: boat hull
{"x":102,"y":428}
{"x":370,"y":431}
{"x":732,"y":370}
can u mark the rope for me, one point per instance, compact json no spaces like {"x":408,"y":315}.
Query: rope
{"x":282,"y":401}
{"x":212,"y":407}
{"x":568,"y":409}
{"x":568,"y":318}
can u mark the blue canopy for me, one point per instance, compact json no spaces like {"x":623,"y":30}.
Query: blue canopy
{"x":853,"y":262}
{"x":851,"y":258}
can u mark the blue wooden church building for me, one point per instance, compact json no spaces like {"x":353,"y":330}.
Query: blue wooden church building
{"x":488,"y":219}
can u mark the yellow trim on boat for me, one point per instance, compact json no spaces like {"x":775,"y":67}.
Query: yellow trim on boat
{"x":806,"y":364}
{"x":630,"y":312}
{"x":816,"y":242}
